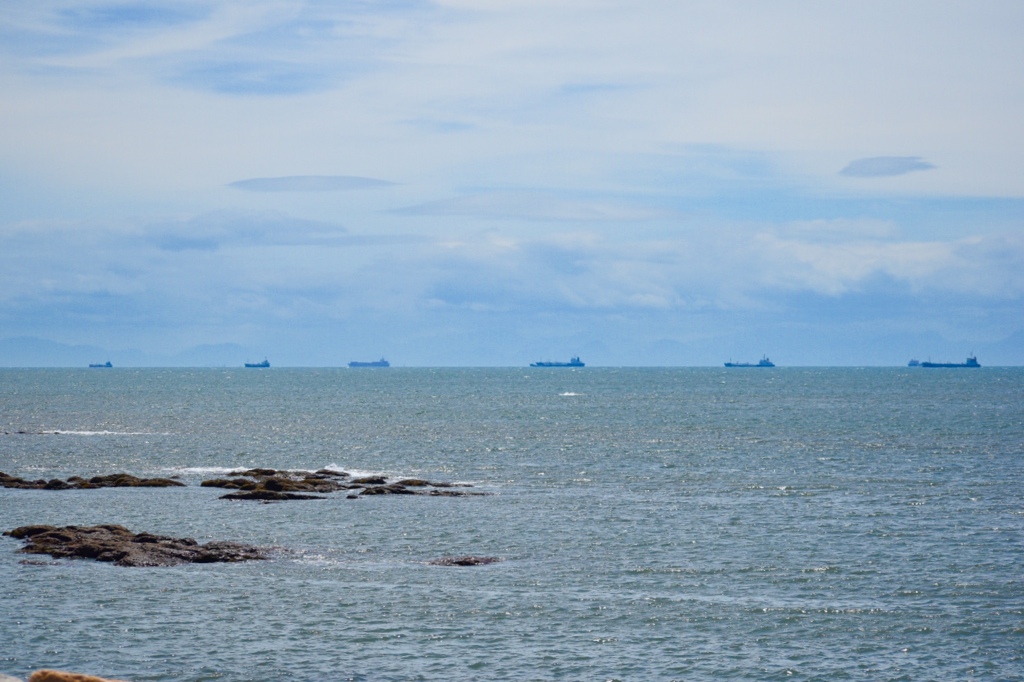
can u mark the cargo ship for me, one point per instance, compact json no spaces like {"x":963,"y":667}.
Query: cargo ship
{"x":264,"y":364}
{"x":970,"y":362}
{"x":763,"y":362}
{"x":376,"y":363}
{"x":574,"y":362}
{"x":102,"y":364}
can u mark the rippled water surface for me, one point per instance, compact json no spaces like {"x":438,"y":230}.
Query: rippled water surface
{"x":653,"y":524}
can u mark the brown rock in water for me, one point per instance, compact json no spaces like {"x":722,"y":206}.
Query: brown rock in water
{"x":121,"y":480}
{"x":464,"y":561}
{"x":400,"y":489}
{"x":61,"y":676}
{"x":120,"y":546}
{"x":370,"y":480}
{"x":414,"y":482}
{"x":274,"y":485}
{"x":254,"y":472}
{"x":455,"y":493}
{"x":393,"y":489}
{"x":269,"y":496}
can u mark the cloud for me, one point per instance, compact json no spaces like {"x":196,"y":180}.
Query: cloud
{"x":309,"y":183}
{"x":885,"y":166}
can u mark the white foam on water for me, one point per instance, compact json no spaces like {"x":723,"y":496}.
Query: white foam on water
{"x":203,"y":470}
{"x":358,"y":473}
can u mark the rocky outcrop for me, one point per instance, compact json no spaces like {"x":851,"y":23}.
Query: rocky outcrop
{"x":464,"y":561}
{"x":270,"y":485}
{"x":78,"y":483}
{"x":120,"y":546}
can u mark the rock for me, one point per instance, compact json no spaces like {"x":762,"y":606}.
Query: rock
{"x":393,"y":489}
{"x":464,"y":561}
{"x":228,"y":483}
{"x":274,"y":485}
{"x":268,"y":485}
{"x":254,"y":472}
{"x":8,"y":678}
{"x":454,"y":493}
{"x":60,"y":676}
{"x":269,"y":496}
{"x":121,"y":480}
{"x":118,"y":545}
{"x":370,"y":480}
{"x":399,"y":489}
{"x":129,"y":481}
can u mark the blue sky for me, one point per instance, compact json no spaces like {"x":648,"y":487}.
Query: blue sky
{"x":490,"y":183}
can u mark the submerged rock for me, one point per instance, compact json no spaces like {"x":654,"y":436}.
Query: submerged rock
{"x":121,"y":480}
{"x":121,"y":547}
{"x":464,"y":561}
{"x":392,"y":489}
{"x":400,"y":489}
{"x":269,"y":496}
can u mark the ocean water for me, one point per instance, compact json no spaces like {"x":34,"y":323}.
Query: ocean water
{"x":652,"y":524}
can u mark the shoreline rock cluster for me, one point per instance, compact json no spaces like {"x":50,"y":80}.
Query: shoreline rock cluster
{"x":118,"y":545}
{"x":268,"y":485}
{"x":120,"y":480}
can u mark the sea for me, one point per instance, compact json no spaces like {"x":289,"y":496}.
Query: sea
{"x":650,"y":524}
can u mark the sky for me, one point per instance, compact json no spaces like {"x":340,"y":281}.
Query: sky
{"x":470,"y":183}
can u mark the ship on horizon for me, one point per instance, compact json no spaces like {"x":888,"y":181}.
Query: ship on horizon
{"x":264,"y":364}
{"x":573,"y":362}
{"x":101,"y":364}
{"x":763,"y":362}
{"x":971,"y":361}
{"x":375,"y":363}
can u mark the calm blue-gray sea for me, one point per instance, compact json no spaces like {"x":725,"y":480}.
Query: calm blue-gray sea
{"x":653,"y":524}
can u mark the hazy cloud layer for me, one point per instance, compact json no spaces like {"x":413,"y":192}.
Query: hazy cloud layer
{"x":539,"y":206}
{"x":309,"y":183}
{"x":883,"y":166}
